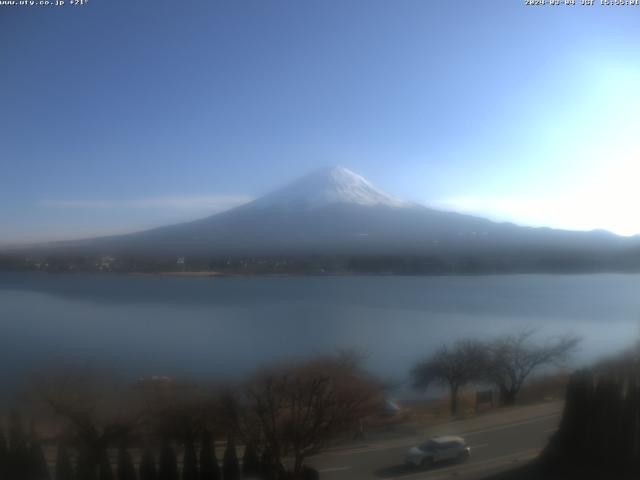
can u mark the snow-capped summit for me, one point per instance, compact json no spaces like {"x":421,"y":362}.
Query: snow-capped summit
{"x":328,"y":186}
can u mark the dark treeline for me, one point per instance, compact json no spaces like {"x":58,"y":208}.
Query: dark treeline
{"x":22,"y":458}
{"x":21,"y":454}
{"x":424,"y":264}
{"x":161,"y":429}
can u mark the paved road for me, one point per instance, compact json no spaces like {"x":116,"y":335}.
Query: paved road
{"x":496,"y":444}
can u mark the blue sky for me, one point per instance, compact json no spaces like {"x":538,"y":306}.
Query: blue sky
{"x":121,"y":115}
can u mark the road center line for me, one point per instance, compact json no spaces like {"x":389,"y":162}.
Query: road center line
{"x":408,"y":443}
{"x":511,"y":425}
{"x":334,"y":469}
{"x":480,"y":445}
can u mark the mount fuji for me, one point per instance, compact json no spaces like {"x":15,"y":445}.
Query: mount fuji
{"x":334,"y":211}
{"x":328,"y":186}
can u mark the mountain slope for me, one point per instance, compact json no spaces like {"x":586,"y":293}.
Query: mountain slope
{"x":336,"y":212}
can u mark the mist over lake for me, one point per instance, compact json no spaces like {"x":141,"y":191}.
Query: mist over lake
{"x":224,"y":328}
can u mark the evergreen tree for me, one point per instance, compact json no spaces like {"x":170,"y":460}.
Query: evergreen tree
{"x":209,"y":468}
{"x":38,"y":467}
{"x":4,"y":454}
{"x":600,"y":427}
{"x":631,"y":428}
{"x":126,"y":470}
{"x":190,"y":461}
{"x":575,"y":429}
{"x":601,"y":413}
{"x":250,"y":462}
{"x":18,"y":461}
{"x":230,"y":464}
{"x":309,"y":473}
{"x":86,"y":468}
{"x":616,"y":454}
{"x":266,"y":466}
{"x":105,"y":472}
{"x":635,"y":407}
{"x":168,"y":468}
{"x":148,"y":469}
{"x":64,"y":469}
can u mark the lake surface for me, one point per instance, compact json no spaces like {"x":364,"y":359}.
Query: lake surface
{"x":227,"y":327}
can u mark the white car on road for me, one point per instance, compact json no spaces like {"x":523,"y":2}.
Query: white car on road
{"x":438,"y":449}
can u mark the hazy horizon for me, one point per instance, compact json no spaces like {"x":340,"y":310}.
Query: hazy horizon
{"x":196,"y":208}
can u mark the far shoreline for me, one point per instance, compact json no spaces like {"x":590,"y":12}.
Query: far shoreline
{"x":326,"y":274}
{"x":214,"y":274}
{"x":203,"y":273}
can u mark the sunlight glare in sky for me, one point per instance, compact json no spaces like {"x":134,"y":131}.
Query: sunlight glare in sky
{"x":595,"y":146}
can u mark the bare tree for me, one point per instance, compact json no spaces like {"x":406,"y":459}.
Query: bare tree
{"x":95,"y":408}
{"x":512,"y":358}
{"x":177,"y":410}
{"x":453,"y":367}
{"x":299,"y":410}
